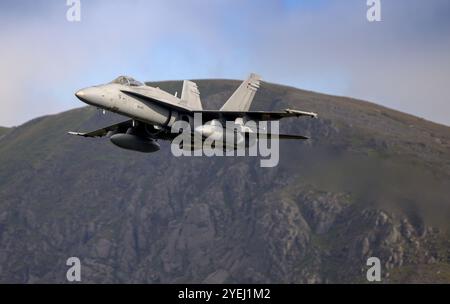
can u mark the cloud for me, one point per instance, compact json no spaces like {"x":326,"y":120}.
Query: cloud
{"x":402,"y":62}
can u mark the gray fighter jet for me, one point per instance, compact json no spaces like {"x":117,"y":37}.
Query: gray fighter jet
{"x":153,"y":112}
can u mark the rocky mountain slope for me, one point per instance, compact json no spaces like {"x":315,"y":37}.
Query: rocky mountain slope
{"x":370,"y":182}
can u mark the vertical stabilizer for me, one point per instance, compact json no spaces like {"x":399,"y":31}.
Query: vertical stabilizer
{"x":190,"y":96}
{"x":242,"y":98}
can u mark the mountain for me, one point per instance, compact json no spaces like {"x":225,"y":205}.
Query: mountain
{"x":3,"y":130}
{"x":371,"y":181}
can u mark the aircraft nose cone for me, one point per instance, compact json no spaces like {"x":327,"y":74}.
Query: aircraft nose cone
{"x":89,"y":95}
{"x":80,"y":94}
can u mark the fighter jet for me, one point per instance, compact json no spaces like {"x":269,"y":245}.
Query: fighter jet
{"x":153,"y":112}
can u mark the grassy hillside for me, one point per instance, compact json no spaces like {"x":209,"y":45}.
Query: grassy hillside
{"x":370,"y":182}
{"x":3,"y":130}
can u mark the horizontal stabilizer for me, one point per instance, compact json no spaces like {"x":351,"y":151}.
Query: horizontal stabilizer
{"x":253,"y":115}
{"x":281,"y":136}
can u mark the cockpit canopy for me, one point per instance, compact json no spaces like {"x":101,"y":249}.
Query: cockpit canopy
{"x":128,"y":81}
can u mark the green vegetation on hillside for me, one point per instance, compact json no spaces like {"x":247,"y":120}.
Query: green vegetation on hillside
{"x":3,"y":130}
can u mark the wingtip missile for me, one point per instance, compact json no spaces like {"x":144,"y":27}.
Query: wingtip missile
{"x":302,"y":113}
{"x":76,"y":133}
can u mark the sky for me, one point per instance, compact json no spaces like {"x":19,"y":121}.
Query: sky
{"x":328,"y":46}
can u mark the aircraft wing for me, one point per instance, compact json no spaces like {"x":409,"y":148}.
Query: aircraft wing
{"x":122,"y":127}
{"x":253,"y":115}
{"x":103,"y":131}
